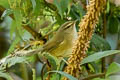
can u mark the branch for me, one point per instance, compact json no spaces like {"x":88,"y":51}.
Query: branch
{"x":49,"y":5}
{"x":93,"y":76}
{"x":104,"y":36}
{"x":35,"y":34}
{"x":20,"y":53}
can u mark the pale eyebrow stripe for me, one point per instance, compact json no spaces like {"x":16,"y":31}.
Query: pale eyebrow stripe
{"x":67,"y":25}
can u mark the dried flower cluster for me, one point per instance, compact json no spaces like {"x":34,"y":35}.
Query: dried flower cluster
{"x":87,"y":26}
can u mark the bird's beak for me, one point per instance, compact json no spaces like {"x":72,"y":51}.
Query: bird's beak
{"x":74,"y":22}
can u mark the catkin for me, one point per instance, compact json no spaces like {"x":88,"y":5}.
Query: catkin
{"x":87,"y":27}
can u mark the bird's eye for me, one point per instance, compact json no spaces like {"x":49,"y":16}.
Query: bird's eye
{"x":66,"y":27}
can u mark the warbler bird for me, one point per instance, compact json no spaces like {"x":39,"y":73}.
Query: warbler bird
{"x":60,"y":45}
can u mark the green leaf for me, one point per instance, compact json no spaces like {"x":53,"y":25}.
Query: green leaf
{"x":16,"y":40}
{"x":4,"y":3}
{"x":33,"y":4}
{"x":100,"y":43}
{"x":18,"y":20}
{"x":98,"y":79}
{"x":64,"y":5}
{"x":63,"y":73}
{"x":113,"y":25}
{"x":14,"y":60}
{"x":55,"y":76}
{"x":10,"y":61}
{"x":52,"y":60}
{"x":99,"y":55}
{"x":113,"y":77}
{"x":58,"y":5}
{"x":108,"y":7}
{"x":69,"y":8}
{"x":37,"y":8}
{"x":74,"y":13}
{"x":80,"y":10}
{"x":34,"y":74}
{"x":16,"y":23}
{"x":5,"y":75}
{"x":12,"y":29}
{"x":113,"y":68}
{"x":18,"y":17}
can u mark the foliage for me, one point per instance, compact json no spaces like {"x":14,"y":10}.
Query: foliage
{"x":63,"y":73}
{"x":98,"y":56}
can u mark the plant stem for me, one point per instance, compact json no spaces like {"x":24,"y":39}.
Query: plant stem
{"x":104,"y":36}
{"x":24,"y":71}
{"x":93,"y":76}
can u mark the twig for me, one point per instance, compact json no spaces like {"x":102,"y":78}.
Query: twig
{"x":51,"y":6}
{"x":93,"y":76}
{"x":35,"y":34}
{"x":104,"y":25}
{"x":104,"y":36}
{"x":20,"y":53}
